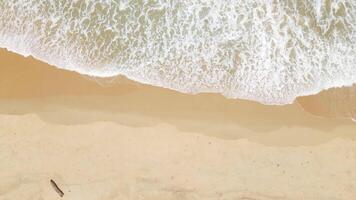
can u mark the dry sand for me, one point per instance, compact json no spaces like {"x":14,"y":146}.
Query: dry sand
{"x":124,"y":140}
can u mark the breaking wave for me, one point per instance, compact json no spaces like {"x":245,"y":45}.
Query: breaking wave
{"x":264,"y":50}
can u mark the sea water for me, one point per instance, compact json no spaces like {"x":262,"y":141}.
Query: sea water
{"x":268,"y":51}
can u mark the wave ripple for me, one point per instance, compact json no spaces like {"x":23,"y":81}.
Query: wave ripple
{"x":269,"y":51}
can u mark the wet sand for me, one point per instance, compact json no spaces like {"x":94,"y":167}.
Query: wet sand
{"x":117,"y":139}
{"x":333,"y":103}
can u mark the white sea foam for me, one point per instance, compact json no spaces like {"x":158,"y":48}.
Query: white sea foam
{"x":264,"y":50}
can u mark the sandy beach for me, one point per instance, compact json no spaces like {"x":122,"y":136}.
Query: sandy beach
{"x":117,"y":139}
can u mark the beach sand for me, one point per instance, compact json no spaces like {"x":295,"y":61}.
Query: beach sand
{"x":335,"y":102}
{"x":117,"y":139}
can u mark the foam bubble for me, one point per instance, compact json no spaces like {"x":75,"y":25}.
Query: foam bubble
{"x":267,"y":51}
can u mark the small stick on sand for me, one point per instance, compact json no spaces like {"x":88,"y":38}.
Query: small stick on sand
{"x":56,"y":188}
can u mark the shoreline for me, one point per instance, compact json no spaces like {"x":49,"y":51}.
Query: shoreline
{"x":303,"y":101}
{"x":133,"y":141}
{"x":26,"y":88}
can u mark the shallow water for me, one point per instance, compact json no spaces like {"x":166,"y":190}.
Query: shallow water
{"x":335,"y":102}
{"x":267,"y":51}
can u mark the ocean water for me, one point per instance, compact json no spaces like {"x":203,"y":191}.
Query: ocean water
{"x":268,"y":51}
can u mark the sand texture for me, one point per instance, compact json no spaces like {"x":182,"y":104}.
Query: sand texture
{"x":335,"y":102}
{"x":116,"y":139}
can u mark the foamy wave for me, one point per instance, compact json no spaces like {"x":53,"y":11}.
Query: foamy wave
{"x":264,"y":50}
